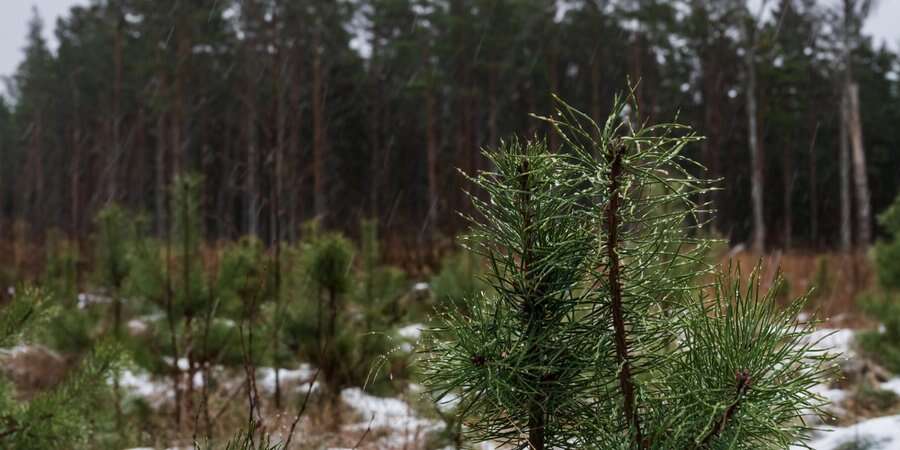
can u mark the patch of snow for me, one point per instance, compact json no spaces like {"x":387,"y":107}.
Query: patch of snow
{"x":412,"y":332}
{"x":449,"y":402}
{"x":892,"y":385}
{"x":390,"y":414}
{"x":834,"y":397}
{"x":298,"y":378}
{"x":137,"y":327}
{"x":183,"y":363}
{"x":155,"y":317}
{"x":86,"y":299}
{"x":881,"y":433}
{"x":833,"y":340}
{"x":141,"y":384}
{"x":19,"y":349}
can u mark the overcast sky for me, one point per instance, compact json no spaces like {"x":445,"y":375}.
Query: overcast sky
{"x":14,"y":15}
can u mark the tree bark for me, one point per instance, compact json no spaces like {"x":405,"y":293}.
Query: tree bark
{"x":376,"y":156}
{"x":860,"y":178}
{"x":626,"y":383}
{"x":251,"y":78}
{"x":756,"y":152}
{"x":787,"y":178}
{"x":813,"y":190}
{"x":319,"y":131}
{"x":432,"y":153}
{"x":161,"y":174}
{"x":844,"y":167}
{"x":534,"y":309}
{"x":553,"y":75}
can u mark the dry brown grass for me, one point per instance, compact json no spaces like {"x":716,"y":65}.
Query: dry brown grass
{"x":845,"y":276}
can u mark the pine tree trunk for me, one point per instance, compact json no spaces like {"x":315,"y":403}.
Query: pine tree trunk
{"x":432,"y":156}
{"x":756,"y":153}
{"x":813,"y":190}
{"x":75,"y":183}
{"x":295,"y":152}
{"x":787,"y":178}
{"x":860,"y":178}
{"x":117,"y":105}
{"x":161,"y":174}
{"x":250,"y":182}
{"x":374,"y":130}
{"x":493,"y":110}
{"x":596,"y":107}
{"x":553,"y":73}
{"x":277,"y":190}
{"x":637,"y":69}
{"x":179,"y":121}
{"x":252,"y":141}
{"x":712,"y":119}
{"x":844,"y":166}
{"x":319,"y":138}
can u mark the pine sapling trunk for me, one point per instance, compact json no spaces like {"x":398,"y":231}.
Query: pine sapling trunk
{"x":534,"y":315}
{"x":173,"y":337}
{"x":331,"y":356}
{"x":626,"y":384}
{"x":186,"y":257}
{"x":207,"y":419}
{"x":117,"y":332}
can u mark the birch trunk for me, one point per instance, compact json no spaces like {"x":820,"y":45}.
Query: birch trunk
{"x":844,"y":165}
{"x":860,"y":178}
{"x":756,"y":156}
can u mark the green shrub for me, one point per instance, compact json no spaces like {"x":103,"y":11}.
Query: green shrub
{"x":458,"y":279}
{"x":883,"y":304}
{"x":887,"y":251}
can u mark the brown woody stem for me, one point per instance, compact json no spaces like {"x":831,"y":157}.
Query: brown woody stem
{"x":626,"y":383}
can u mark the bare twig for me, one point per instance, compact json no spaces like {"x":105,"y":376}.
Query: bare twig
{"x":742,"y":381}
{"x":365,"y":434}
{"x":302,"y":410}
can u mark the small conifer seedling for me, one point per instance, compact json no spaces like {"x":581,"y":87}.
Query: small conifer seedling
{"x":600,"y":327}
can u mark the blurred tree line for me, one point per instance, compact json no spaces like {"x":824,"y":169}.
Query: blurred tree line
{"x":351,"y":109}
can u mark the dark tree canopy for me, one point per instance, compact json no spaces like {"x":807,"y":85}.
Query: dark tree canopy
{"x":347,"y":110}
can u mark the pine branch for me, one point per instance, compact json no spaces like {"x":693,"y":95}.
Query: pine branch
{"x":742,"y":381}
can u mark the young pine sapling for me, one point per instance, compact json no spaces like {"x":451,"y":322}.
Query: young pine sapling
{"x":597,"y":330}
